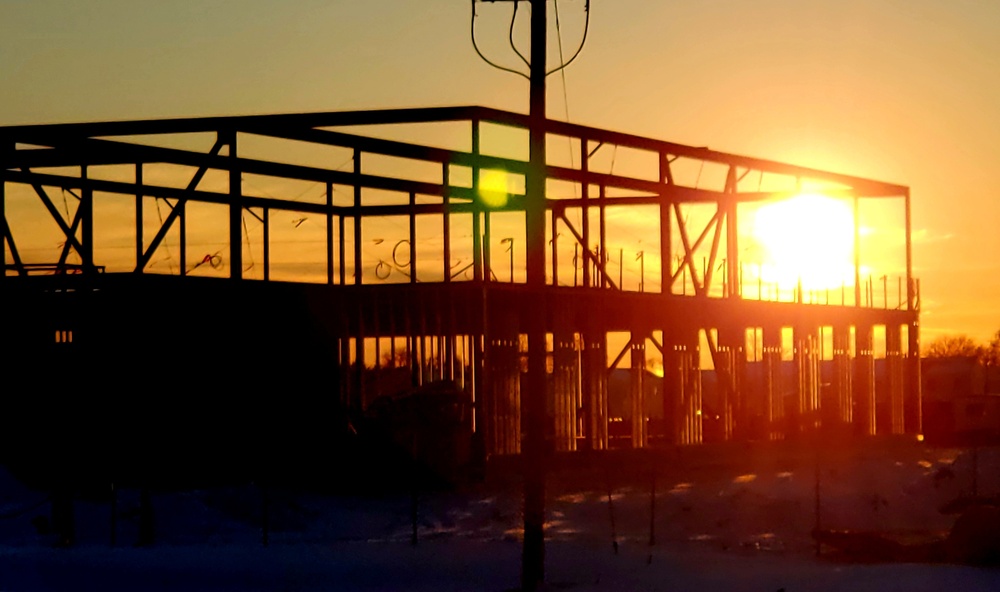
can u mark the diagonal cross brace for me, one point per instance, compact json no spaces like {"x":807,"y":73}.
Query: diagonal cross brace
{"x":714,"y":253}
{"x":725,"y":372}
{"x":586,"y":251}
{"x":8,"y":236}
{"x":689,"y":250}
{"x":175,"y":212}
{"x":77,"y":218}
{"x":70,"y":233}
{"x":620,"y":355}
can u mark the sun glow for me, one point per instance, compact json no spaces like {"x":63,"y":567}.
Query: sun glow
{"x":494,"y":188}
{"x":809,"y":239}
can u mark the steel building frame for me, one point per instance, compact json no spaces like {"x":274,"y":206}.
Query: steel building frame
{"x":464,"y":324}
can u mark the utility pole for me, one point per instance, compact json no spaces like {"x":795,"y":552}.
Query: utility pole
{"x":533,"y":451}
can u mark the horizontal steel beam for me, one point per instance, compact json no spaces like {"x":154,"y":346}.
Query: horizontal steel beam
{"x":107,"y":152}
{"x":42,"y":134}
{"x":130,"y":190}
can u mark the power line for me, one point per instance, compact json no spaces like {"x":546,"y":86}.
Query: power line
{"x":510,"y":34}
{"x":586,"y":30}
{"x":475,"y":45}
{"x":562,"y":74}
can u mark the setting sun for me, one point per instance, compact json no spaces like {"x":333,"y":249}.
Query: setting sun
{"x":809,"y":238}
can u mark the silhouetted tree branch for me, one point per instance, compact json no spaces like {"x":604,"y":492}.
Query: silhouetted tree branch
{"x":950,"y":346}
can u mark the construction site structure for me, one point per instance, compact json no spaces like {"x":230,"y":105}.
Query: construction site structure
{"x":255,"y":276}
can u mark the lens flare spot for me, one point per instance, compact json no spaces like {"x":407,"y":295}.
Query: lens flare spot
{"x":494,"y":188}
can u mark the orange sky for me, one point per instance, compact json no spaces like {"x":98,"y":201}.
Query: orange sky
{"x":904,"y":91}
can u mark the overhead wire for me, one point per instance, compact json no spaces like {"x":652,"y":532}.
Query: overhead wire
{"x":562,"y":66}
{"x":475,"y":45}
{"x":583,"y":41}
{"x":562,"y":74}
{"x":510,"y":36}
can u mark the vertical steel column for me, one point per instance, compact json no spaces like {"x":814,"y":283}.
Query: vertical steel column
{"x":477,"y":238}
{"x":565,"y":379}
{"x":487,"y":251}
{"x":554,"y":242}
{"x":228,"y":137}
{"x":694,"y":408}
{"x":584,"y":214}
{"x":421,"y":345}
{"x":864,"y":381}
{"x":673,"y":387}
{"x":640,"y":428}
{"x":593,"y":366}
{"x":914,"y":410}
{"x":266,"y":247}
{"x":807,"y":380}
{"x":602,"y":253}
{"x":895,"y":375}
{"x":479,"y":338}
{"x":445,"y":222}
{"x":910,"y":304}
{"x":329,"y":233}
{"x":342,"y":250}
{"x":87,"y":224}
{"x":4,"y":149}
{"x":722,"y":361}
{"x":733,"y":287}
{"x":913,"y":420}
{"x":450,"y":337}
{"x":491,"y":425}
{"x":755,"y":411}
{"x":357,"y":394}
{"x":344,"y":351}
{"x":138,"y":214}
{"x":840,"y":400}
{"x":376,"y":375}
{"x":358,"y":270}
{"x":857,"y":252}
{"x":666,"y":229}
{"x":688,"y":385}
{"x":797,"y":412}
{"x":732,"y":342}
{"x":412,"y":235}
{"x":412,"y":351}
{"x":182,"y":231}
{"x":773,"y":383}
{"x":504,"y":392}
{"x":815,"y":377}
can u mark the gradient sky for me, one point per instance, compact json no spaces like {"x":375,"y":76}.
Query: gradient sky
{"x":904,"y":91}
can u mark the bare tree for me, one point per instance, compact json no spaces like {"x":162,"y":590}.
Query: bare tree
{"x":990,"y":355}
{"x":948,"y":346}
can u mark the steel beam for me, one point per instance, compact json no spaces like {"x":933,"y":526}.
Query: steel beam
{"x":40,"y":135}
{"x":56,"y":216}
{"x":176,"y":211}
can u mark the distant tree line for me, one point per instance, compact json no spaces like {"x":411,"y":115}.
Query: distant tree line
{"x":947,"y":346}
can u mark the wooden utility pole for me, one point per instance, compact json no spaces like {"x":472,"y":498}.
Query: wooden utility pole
{"x":533,"y":451}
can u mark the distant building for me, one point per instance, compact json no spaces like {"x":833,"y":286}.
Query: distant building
{"x":961,"y":404}
{"x":620,"y":405}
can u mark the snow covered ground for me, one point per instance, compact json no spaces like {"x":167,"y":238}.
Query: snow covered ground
{"x":719,"y":524}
